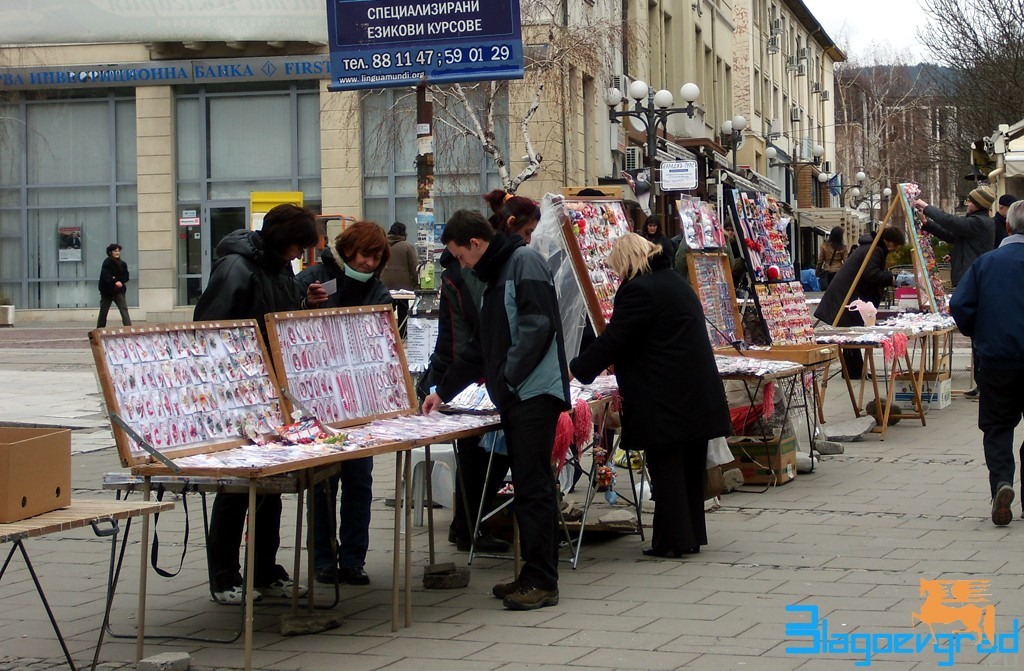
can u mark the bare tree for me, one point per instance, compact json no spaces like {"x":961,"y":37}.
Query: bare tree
{"x":981,"y":42}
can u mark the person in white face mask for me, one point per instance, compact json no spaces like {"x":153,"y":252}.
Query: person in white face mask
{"x":359,"y":255}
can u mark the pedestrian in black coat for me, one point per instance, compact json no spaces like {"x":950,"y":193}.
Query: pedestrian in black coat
{"x":113,"y":285}
{"x":673,"y":401}
{"x":870,"y":287}
{"x":971,"y":236}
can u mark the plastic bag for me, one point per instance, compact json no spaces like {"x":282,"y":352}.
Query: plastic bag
{"x":719,"y":452}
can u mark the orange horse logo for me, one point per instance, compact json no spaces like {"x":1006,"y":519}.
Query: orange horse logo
{"x":949,"y":601}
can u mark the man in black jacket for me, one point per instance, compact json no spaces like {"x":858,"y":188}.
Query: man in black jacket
{"x":252,"y":278}
{"x":999,"y":219}
{"x":971,"y":236}
{"x":518,"y":347}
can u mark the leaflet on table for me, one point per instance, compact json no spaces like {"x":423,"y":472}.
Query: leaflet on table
{"x":750,"y":367}
{"x":919,"y":322}
{"x":474,"y":398}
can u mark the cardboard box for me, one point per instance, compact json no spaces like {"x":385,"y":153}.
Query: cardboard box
{"x":807,"y":355}
{"x":936,"y":394}
{"x":765,"y":463}
{"x":35,"y":472}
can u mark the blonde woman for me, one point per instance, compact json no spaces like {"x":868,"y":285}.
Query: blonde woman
{"x":672,"y":397}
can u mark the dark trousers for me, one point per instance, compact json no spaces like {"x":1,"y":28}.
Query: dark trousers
{"x":1000,"y":407}
{"x":677,"y":488}
{"x":226,"y":524}
{"x":530,"y":434}
{"x":122,"y":307}
{"x":356,"y":481}
{"x":473,"y":484}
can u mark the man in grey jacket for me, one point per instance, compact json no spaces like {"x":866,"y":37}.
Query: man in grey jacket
{"x":971,"y":236}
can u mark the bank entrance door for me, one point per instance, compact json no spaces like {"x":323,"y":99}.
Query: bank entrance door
{"x":197,"y":243}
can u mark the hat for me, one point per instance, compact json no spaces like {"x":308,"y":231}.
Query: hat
{"x":1006,"y":200}
{"x":982,"y":197}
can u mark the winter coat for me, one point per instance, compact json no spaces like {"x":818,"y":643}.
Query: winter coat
{"x":988,"y":306}
{"x":871,"y":286}
{"x":350,"y":291}
{"x":518,"y":343}
{"x":664,"y":364}
{"x":401,"y":271}
{"x":458,"y":317}
{"x":830,"y":258}
{"x":971,"y":236}
{"x":999,"y":222}
{"x":111,"y":272}
{"x":247,"y":282}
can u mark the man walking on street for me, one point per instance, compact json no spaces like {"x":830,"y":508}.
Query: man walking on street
{"x":988,"y":306}
{"x":518,"y":347}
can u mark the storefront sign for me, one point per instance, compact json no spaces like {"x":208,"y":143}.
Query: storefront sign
{"x":167,"y":73}
{"x":679,"y":175}
{"x":390,"y":43}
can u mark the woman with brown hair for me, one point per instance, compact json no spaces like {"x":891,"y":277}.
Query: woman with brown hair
{"x":831,"y":256}
{"x":362,"y":252}
{"x":515,"y":215}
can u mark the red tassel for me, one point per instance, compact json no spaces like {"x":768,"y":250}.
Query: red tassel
{"x":563,"y":438}
{"x":768,"y":400}
{"x":583,"y":421}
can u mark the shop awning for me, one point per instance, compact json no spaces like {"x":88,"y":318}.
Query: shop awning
{"x":1014,"y":161}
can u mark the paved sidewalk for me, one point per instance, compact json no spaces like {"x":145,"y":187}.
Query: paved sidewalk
{"x":854,"y":538}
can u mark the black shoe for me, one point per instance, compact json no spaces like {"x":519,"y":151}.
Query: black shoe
{"x":672,"y":554}
{"x":973,"y":393}
{"x":353,"y":575}
{"x":328,"y":575}
{"x":484,"y":543}
{"x":1002,"y":514}
{"x":531,"y":598}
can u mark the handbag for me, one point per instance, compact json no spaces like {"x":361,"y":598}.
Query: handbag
{"x":820,"y":270}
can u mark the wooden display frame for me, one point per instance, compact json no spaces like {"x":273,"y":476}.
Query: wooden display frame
{"x":589,"y":248}
{"x":334,"y":366}
{"x":720,"y":305}
{"x":153,"y":361}
{"x":933,"y":298}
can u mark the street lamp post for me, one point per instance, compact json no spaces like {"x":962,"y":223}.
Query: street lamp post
{"x":654,"y":113}
{"x":732,"y":134}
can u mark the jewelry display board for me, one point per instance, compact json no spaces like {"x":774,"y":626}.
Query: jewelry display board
{"x":346,"y":366}
{"x":930,"y":294}
{"x":711,"y":276}
{"x":699,"y":224}
{"x":762,"y":230}
{"x":784,"y":310}
{"x":186,"y":388}
{"x":591,"y":228}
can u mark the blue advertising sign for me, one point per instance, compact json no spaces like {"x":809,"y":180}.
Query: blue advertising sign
{"x":389,"y":43}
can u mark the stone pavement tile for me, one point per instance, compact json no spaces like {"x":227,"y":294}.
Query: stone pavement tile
{"x":632,"y":622}
{"x":697,"y":611}
{"x":723,"y":662}
{"x":332,"y":641}
{"x":582,"y":576}
{"x":666,"y":582}
{"x":823,"y":588}
{"x":327,"y":661}
{"x":517,"y":666}
{"x":594,"y":638}
{"x":882,"y":577}
{"x":714,"y":570}
{"x":618,"y":658}
{"x":423,"y":629}
{"x":791,"y":559}
{"x":511,"y":634}
{"x":725,"y":627}
{"x":414,"y":663}
{"x":496,"y":613}
{"x":689,"y":594}
{"x":870,"y":563}
{"x":536,"y":654}
{"x":950,"y":569}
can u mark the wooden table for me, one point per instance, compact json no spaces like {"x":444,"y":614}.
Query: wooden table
{"x":80,"y":514}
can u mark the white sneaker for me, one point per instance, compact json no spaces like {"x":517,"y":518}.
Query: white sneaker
{"x":282,"y":589}
{"x":233,"y":596}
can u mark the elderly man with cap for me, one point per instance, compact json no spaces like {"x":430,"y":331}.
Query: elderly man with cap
{"x":1002,"y":230}
{"x":971,"y":236}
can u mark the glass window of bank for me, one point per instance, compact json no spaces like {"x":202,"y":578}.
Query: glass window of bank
{"x":67,"y":190}
{"x":462,"y":171}
{"x":231,"y":142}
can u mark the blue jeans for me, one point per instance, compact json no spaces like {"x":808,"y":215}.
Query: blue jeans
{"x":356,"y":482}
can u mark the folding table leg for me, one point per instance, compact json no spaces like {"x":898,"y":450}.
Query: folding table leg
{"x":397,"y":548}
{"x":140,"y":636}
{"x":250,"y":569}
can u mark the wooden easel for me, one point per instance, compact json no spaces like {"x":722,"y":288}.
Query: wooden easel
{"x":864,"y":263}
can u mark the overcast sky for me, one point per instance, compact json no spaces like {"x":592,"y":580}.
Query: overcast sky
{"x":865,"y":23}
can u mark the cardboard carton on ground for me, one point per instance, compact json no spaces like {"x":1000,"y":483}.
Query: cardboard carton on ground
{"x":35,"y":471}
{"x":936,"y":394}
{"x":771,"y":462}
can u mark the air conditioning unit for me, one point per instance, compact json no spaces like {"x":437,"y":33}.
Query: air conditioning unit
{"x":795,"y":114}
{"x":634,"y":158}
{"x":801,"y":70}
{"x":801,"y":53}
{"x":791,"y":64}
{"x":824,"y":96}
{"x":774,"y":44}
{"x":777,"y":28}
{"x":621,"y":82}
{"x":816,"y":87}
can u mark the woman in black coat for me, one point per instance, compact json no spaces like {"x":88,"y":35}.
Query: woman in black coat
{"x":113,"y":285}
{"x":673,"y":401}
